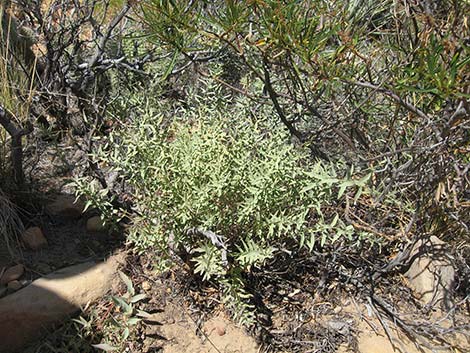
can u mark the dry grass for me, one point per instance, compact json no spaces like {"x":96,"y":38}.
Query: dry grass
{"x":10,"y":229}
{"x":16,"y":85}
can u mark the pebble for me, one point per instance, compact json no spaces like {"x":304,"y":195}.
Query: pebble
{"x":220,"y":330}
{"x":12,"y":274}
{"x":34,"y":238}
{"x":14,"y":285}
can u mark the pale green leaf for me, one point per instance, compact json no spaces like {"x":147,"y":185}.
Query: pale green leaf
{"x":105,"y":347}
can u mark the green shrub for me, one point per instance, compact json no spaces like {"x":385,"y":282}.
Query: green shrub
{"x":227,"y":190}
{"x":389,"y":79}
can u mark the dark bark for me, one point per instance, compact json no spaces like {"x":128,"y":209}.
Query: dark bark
{"x":16,"y":134}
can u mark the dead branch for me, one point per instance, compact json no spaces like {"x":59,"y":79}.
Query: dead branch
{"x":16,"y":134}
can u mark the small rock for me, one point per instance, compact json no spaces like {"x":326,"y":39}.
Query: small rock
{"x":220,"y":330}
{"x":340,"y":326}
{"x":66,"y":206}
{"x":12,"y":274}
{"x":34,"y":238}
{"x":146,"y":285}
{"x":431,"y":274}
{"x":43,"y":268}
{"x":3,"y":290}
{"x":217,"y":326}
{"x":95,"y":225}
{"x":14,"y":285}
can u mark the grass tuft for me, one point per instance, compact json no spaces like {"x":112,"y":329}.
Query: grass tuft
{"x":11,"y":227}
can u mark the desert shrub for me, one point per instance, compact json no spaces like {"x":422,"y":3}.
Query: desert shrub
{"x":388,"y":79}
{"x":226,"y":190}
{"x":217,"y":181}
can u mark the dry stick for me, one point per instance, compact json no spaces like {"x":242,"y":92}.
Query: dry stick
{"x":200,"y":330}
{"x":410,"y":331}
{"x":364,"y":317}
{"x":364,"y":226}
{"x":313,"y":111}
{"x":16,"y":144}
{"x":406,"y":328}
{"x":101,"y":45}
{"x":385,"y":307}
{"x":100,"y":49}
{"x":272,"y":94}
{"x":255,"y":98}
{"x":384,"y":325}
{"x":394,"y":96}
{"x":316,"y":113}
{"x":401,"y":101}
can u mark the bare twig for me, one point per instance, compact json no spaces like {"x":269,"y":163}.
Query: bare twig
{"x":104,"y":39}
{"x":6,"y":120}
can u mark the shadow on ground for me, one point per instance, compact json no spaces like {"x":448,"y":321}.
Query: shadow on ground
{"x":76,"y":267}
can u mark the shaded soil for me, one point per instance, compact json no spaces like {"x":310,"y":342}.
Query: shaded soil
{"x":68,"y":243}
{"x":50,"y":166}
